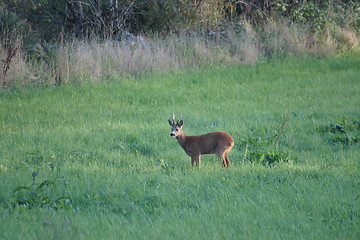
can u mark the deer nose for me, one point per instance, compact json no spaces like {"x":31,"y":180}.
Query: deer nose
{"x":172,"y":134}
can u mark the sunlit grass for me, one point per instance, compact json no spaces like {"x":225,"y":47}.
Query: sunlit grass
{"x":106,"y":149}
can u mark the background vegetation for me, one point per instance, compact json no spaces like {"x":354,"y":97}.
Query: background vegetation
{"x":109,"y":17}
{"x":66,"y":41}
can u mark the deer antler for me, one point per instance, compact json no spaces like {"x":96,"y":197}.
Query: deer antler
{"x":179,"y":118}
{"x":172,"y":121}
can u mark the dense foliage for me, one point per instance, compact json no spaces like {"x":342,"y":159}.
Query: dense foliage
{"x":108,"y":17}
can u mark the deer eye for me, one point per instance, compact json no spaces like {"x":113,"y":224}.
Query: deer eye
{"x":177,"y":130}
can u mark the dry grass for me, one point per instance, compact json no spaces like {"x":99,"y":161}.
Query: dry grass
{"x":80,"y":61}
{"x":343,"y":39}
{"x":13,"y":63}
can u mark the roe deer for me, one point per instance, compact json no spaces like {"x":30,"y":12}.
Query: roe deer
{"x":219,"y":143}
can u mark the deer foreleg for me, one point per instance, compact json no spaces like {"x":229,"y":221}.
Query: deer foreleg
{"x":195,"y":160}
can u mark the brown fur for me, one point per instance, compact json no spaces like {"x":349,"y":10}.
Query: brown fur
{"x":219,"y":143}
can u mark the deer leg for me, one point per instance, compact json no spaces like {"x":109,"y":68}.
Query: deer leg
{"x":227,"y":161}
{"x":193,"y":160}
{"x":221,"y":157}
{"x":198,"y":161}
{"x":226,"y":156}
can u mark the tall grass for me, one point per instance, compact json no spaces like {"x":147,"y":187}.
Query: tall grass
{"x":78,"y":61}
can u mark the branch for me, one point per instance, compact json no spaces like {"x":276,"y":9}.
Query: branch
{"x":246,"y":3}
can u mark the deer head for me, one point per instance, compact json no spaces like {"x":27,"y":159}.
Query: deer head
{"x":176,"y":128}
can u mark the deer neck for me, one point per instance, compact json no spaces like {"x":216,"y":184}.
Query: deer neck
{"x":181,"y":139}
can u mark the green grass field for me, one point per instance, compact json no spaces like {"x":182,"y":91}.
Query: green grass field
{"x":96,"y":161}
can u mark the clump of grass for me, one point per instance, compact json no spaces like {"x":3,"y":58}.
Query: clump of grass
{"x":270,"y":157}
{"x":263,"y":146}
{"x":345,"y":131}
{"x":38,"y":195}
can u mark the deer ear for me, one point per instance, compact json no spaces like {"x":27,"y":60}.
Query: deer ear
{"x":171,"y":122}
{"x":180,"y":123}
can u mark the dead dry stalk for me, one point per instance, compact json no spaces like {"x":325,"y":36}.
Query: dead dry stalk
{"x":10,"y":54}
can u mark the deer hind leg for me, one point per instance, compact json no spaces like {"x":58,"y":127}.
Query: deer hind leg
{"x":221,"y":156}
{"x":224,"y":162}
{"x":224,"y":156}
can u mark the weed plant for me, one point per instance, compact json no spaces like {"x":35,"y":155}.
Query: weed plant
{"x":95,"y":161}
{"x":345,"y":131}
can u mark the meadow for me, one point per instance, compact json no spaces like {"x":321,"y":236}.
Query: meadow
{"x":96,"y":161}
